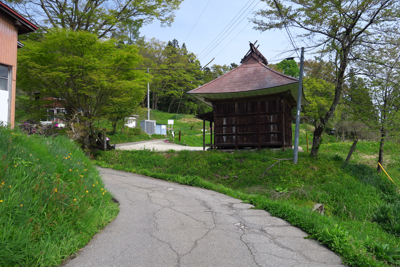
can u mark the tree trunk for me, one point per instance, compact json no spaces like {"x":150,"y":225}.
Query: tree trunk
{"x":169,"y":107}
{"x":180,"y":101}
{"x":353,"y":147}
{"x":381,"y":146}
{"x":114,"y":125}
{"x":86,"y":140}
{"x":317,"y":139}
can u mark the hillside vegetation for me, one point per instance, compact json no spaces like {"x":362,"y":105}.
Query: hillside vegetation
{"x":52,"y":200}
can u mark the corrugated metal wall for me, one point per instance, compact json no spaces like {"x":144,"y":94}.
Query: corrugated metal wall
{"x":8,"y":54}
{"x":258,"y":123}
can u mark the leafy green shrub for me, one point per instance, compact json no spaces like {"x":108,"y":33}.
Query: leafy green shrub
{"x":387,"y":215}
{"x":384,"y":252}
{"x":52,"y":200}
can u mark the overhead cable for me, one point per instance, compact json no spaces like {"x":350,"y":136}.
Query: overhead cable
{"x":197,"y":21}
{"x":226,"y":28}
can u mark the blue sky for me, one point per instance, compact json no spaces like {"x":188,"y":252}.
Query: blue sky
{"x":217,"y":14}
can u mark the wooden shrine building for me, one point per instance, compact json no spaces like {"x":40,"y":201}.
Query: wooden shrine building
{"x":252,"y":105}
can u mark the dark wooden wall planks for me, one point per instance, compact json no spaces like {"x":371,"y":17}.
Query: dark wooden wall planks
{"x":257,"y":122}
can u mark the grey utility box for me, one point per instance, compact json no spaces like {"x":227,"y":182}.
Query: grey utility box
{"x":148,"y":126}
{"x":161,"y":129}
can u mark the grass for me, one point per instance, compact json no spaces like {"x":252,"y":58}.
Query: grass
{"x":52,"y":200}
{"x":352,"y":194}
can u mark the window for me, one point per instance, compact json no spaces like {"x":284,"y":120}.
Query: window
{"x":3,"y":78}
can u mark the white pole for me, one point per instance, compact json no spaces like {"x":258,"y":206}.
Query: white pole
{"x":148,"y":98}
{"x":296,"y":135}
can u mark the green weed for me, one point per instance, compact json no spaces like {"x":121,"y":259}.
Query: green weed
{"x":52,"y":200}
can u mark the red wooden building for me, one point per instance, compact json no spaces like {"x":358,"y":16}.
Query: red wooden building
{"x":12,"y":24}
{"x":252,"y":105}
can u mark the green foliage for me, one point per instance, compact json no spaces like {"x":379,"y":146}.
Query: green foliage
{"x":320,"y":95}
{"x":387,"y":215}
{"x":175,"y":71}
{"x":289,"y":67}
{"x":52,"y":200}
{"x":84,"y":73}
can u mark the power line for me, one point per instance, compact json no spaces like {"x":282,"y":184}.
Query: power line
{"x":237,"y":34}
{"x":287,"y":29}
{"x":210,"y":44}
{"x":216,"y":45}
{"x":197,"y":21}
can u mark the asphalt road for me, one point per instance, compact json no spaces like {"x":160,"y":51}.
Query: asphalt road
{"x":167,"y":224}
{"x":158,"y":145}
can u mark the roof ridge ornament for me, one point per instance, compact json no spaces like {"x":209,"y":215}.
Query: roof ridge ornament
{"x":255,"y":53}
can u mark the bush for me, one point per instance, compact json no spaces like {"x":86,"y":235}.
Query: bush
{"x":388,"y":216}
{"x":52,"y":200}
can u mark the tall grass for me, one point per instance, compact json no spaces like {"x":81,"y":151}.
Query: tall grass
{"x":52,"y":200}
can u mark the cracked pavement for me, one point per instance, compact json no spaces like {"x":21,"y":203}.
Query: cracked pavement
{"x":166,"y":224}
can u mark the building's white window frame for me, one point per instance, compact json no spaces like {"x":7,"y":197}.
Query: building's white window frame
{"x":9,"y":89}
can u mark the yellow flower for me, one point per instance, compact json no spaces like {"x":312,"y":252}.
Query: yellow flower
{"x":78,"y":162}
{"x":102,"y":189}
{"x":30,"y":155}
{"x":82,"y":176}
{"x":74,"y":199}
{"x":68,"y":156}
{"x":70,"y":153}
{"x":87,"y":191}
{"x":70,"y":170}
{"x":93,"y":185}
{"x":21,"y":205}
{"x":2,"y":183}
{"x":103,"y":193}
{"x":76,"y":170}
{"x":57,"y":156}
{"x":1,"y":200}
{"x":55,"y":190}
{"x":97,"y":182}
{"x":85,"y":169}
{"x":15,"y":166}
{"x":10,"y":186}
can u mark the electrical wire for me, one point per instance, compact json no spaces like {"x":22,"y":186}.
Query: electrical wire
{"x":287,"y":29}
{"x":225,"y":29}
{"x":216,"y":45}
{"x":197,"y":21}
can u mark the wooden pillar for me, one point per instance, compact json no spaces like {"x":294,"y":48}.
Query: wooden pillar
{"x":236,"y":127}
{"x":283,"y":122}
{"x":211,"y":134}
{"x":259,"y":124}
{"x":204,"y":134}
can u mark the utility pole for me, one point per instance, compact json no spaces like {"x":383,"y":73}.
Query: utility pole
{"x":299,"y":94}
{"x":148,"y":98}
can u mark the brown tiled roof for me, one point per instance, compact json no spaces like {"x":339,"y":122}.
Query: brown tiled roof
{"x":252,"y":78}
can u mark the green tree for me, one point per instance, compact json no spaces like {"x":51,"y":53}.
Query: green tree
{"x":289,"y":67}
{"x":174,"y":71}
{"x":335,"y":27}
{"x":103,"y":18}
{"x":84,"y":73}
{"x":375,"y":96}
{"x":320,"y":95}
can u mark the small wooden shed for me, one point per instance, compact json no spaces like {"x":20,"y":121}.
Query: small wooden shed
{"x":252,"y":105}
